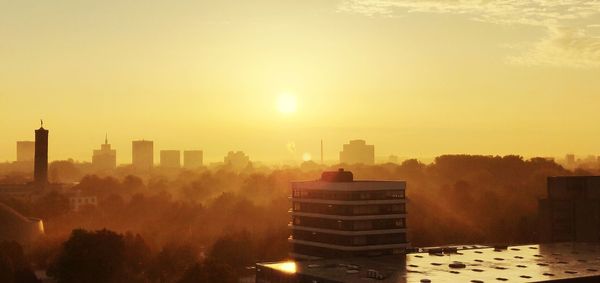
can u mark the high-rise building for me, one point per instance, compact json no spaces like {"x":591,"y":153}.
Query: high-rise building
{"x":170,"y":158}
{"x":25,"y":151}
{"x":105,"y":158}
{"x":237,"y":160}
{"x":192,"y":159}
{"x":338,"y":216}
{"x":142,"y":153}
{"x":571,"y":212}
{"x":40,"y":168}
{"x":358,"y":152}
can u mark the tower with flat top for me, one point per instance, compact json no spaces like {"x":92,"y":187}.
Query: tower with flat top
{"x":40,"y":168}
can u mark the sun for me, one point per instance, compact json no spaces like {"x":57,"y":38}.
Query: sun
{"x":286,"y":103}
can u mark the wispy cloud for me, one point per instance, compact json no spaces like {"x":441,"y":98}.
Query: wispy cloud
{"x":569,"y":23}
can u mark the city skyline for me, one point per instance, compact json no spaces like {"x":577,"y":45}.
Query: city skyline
{"x":420,"y":79}
{"x":300,"y":156}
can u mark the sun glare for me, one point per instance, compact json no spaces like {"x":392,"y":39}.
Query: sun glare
{"x":286,"y":103}
{"x":306,"y":156}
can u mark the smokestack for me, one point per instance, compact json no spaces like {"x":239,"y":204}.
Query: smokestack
{"x":40,"y":169}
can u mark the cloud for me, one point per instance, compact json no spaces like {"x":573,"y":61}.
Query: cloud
{"x":568,"y":23}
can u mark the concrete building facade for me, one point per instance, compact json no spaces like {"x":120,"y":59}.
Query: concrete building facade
{"x":338,"y":216}
{"x":571,"y":212}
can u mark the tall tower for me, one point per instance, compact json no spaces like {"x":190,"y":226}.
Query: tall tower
{"x":40,"y":168}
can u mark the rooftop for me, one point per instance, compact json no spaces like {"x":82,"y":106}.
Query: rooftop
{"x":531,"y":263}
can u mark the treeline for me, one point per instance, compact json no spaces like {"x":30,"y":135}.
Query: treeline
{"x":457,"y":199}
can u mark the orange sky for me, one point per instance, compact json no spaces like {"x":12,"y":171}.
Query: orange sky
{"x":415,"y":78}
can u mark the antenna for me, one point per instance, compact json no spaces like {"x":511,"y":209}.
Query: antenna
{"x":321,"y":151}
{"x":41,"y":123}
{"x":106,"y":138}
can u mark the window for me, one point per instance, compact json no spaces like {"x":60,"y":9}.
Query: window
{"x":359,"y":240}
{"x":397,"y":207}
{"x":366,"y":209}
{"x":297,"y":206}
{"x":363,"y":225}
{"x":297,"y":221}
{"x":399,"y":223}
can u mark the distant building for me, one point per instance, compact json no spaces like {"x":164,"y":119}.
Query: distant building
{"x":16,"y":227}
{"x":337,"y":216}
{"x":78,"y":200}
{"x":570,"y":160}
{"x":192,"y":159}
{"x":40,"y":169}
{"x":105,"y":158}
{"x":571,"y":212}
{"x":358,"y":152}
{"x":25,"y":151}
{"x":560,"y":262}
{"x":393,"y":159}
{"x":237,"y":160}
{"x":170,"y":158}
{"x":142,"y":153}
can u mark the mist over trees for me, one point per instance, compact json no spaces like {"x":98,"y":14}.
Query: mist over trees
{"x":185,"y":227}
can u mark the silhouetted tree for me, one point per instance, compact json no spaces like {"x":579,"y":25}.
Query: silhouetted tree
{"x":99,"y":256}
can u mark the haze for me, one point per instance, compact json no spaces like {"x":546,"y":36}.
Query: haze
{"x":416,"y":79}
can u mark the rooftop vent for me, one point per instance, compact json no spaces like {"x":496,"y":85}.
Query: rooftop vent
{"x":337,"y":176}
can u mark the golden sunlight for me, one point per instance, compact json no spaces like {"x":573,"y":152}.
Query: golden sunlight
{"x":286,"y":103}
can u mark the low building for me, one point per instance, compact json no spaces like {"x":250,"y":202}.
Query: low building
{"x":78,"y":200}
{"x":571,"y":212}
{"x":338,"y":216}
{"x":558,"y":262}
{"x":16,"y":227}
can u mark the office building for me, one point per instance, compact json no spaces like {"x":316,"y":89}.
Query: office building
{"x":559,"y":262}
{"x":571,"y":211}
{"x":170,"y":159}
{"x":25,"y":151}
{"x":237,"y":160}
{"x":192,"y":159}
{"x":358,"y":152}
{"x":142,"y":154}
{"x":40,"y":169}
{"x":105,"y":158}
{"x":338,"y":216}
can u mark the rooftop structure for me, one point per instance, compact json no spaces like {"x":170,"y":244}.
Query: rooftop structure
{"x":560,"y":262}
{"x":338,"y":216}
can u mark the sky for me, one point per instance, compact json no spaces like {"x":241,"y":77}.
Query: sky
{"x":415,"y":78}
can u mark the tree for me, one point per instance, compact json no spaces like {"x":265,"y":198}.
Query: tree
{"x":100,"y":256}
{"x":13,"y":265}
